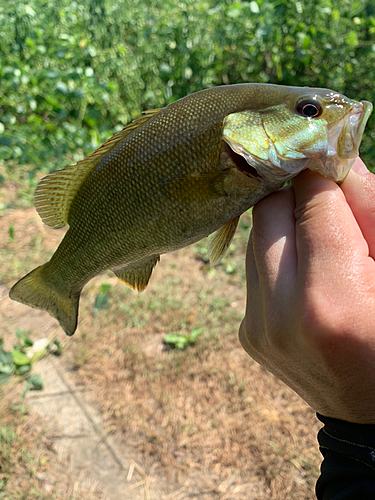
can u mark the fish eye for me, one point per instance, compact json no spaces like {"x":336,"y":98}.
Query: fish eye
{"x":309,"y":108}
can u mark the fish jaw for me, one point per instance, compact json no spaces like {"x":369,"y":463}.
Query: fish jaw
{"x":344,"y":138}
{"x":351,"y":134}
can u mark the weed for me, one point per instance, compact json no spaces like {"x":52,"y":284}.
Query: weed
{"x":11,"y":232}
{"x":182,"y":340}
{"x":102,"y":299}
{"x":19,"y":361}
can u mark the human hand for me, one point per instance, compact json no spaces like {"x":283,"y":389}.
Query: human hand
{"x":310,"y":315}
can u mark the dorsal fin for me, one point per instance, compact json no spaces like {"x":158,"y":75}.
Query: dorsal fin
{"x":56,"y":191}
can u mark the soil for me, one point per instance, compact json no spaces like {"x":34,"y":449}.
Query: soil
{"x":133,"y":419}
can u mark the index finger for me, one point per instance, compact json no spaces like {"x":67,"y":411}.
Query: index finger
{"x":359,"y":191}
{"x":328,"y":237}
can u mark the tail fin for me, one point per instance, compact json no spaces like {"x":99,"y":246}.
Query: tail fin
{"x":33,"y":291}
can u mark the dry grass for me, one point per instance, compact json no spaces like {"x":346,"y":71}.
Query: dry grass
{"x":30,"y":467}
{"x":210,"y":419}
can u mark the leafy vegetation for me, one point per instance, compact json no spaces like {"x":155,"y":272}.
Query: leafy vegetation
{"x":73,"y":73}
{"x":19,"y":361}
{"x":182,"y":340}
{"x":102,"y":299}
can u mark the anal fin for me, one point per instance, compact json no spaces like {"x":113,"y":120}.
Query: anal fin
{"x":137,"y":277}
{"x":219,"y":242}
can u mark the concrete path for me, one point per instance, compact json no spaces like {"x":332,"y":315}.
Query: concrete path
{"x":79,"y":436}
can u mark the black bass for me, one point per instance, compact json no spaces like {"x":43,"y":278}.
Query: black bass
{"x":176,"y":175}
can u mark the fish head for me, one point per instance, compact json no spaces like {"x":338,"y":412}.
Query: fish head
{"x":318,"y":129}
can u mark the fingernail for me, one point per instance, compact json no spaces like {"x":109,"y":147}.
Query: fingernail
{"x":359,"y":167}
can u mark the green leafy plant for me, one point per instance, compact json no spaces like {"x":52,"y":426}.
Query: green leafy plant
{"x":11,"y":232}
{"x":102,"y":299}
{"x":181,"y":340}
{"x":74,"y":73}
{"x":15,"y":362}
{"x":19,"y":361}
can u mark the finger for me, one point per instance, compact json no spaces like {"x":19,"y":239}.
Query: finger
{"x":251,"y":330}
{"x":274,"y":243}
{"x":359,"y":191}
{"x":327,"y":233}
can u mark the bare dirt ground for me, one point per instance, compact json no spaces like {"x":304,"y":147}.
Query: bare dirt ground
{"x":206,"y":422}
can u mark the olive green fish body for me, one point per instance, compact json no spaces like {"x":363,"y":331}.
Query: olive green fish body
{"x":148,"y":177}
{"x":177,"y":175}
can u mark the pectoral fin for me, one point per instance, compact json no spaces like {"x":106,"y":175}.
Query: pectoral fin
{"x":137,"y":277}
{"x":220,"y":241}
{"x":195,"y":186}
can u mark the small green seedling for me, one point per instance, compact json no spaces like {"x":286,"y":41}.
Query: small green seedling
{"x":102,"y":299}
{"x":11,"y":232}
{"x":181,"y":340}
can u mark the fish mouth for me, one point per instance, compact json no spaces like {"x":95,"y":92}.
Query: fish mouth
{"x":344,"y":138}
{"x":352,"y":130}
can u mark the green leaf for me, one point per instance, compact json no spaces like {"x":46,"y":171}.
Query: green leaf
{"x":5,"y":357}
{"x":173,"y":337}
{"x":176,"y":341}
{"x":101,"y":302}
{"x":25,"y":339}
{"x":19,"y":358}
{"x":352,"y":39}
{"x":233,"y":12}
{"x":4,"y":378}
{"x":182,"y":341}
{"x":29,"y":11}
{"x":254,"y":7}
{"x":6,"y":368}
{"x":55,"y":348}
{"x":195,"y":333}
{"x":62,"y":87}
{"x":36,"y":381}
{"x":23,"y":369}
{"x":165,"y":69}
{"x":104,"y":288}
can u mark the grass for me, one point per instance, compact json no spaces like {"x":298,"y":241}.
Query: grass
{"x":29,"y":465}
{"x":208,"y":418}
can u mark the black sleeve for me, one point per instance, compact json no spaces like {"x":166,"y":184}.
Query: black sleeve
{"x":348,"y":468}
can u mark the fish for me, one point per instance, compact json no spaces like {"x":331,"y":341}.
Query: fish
{"x":178,"y":174}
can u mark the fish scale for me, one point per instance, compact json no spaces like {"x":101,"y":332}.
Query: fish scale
{"x":176,"y":175}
